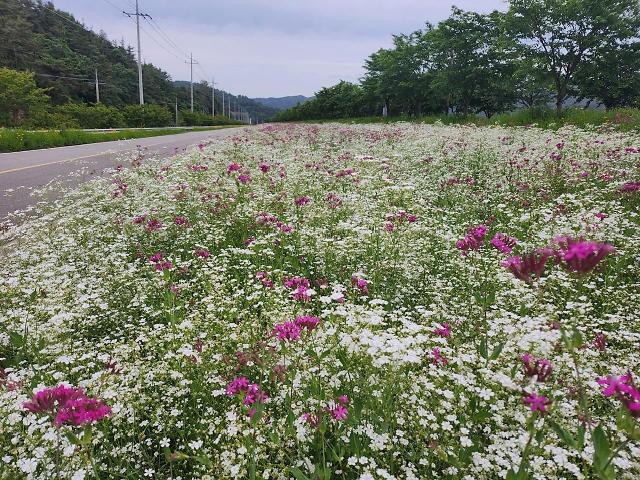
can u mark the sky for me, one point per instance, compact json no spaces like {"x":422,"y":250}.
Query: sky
{"x":265,"y":48}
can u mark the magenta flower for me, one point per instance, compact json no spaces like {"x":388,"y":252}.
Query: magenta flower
{"x":343,"y":399}
{"x":265,"y":167}
{"x":630,"y":187}
{"x":234,"y":167}
{"x":361,"y":284}
{"x":295,"y":282}
{"x":438,"y":358}
{"x":600,"y":342}
{"x":537,"y":403}
{"x":156,"y":257}
{"x":287,"y":331}
{"x":389,"y":227}
{"x":526,"y":266}
{"x":339,"y":412}
{"x":473,"y":240}
{"x":624,"y":390}
{"x":153,"y":225}
{"x":581,"y":256}
{"x":333,"y":200}
{"x":310,"y":323}
{"x":81,"y":411}
{"x":540,"y":368}
{"x":312,"y":419}
{"x":199,"y":168}
{"x":239,"y":384}
{"x":139,"y":219}
{"x":181,"y":221}
{"x":68,"y":406}
{"x":302,"y":201}
{"x":202,"y":253}
{"x":503,"y":242}
{"x":444,"y":331}
{"x":301,"y":294}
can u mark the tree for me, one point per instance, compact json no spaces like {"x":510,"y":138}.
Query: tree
{"x":19,"y":96}
{"x":564,"y":35}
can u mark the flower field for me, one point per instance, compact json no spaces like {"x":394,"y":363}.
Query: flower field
{"x":333,"y":302}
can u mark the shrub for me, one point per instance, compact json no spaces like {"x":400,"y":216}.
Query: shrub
{"x":141,"y":116}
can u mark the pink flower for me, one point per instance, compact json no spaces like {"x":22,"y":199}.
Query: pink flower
{"x":181,"y":221}
{"x":333,"y":200}
{"x":343,"y":399}
{"x":68,"y":405}
{"x":630,"y":187}
{"x":624,"y":390}
{"x":287,"y":331}
{"x":139,"y":219}
{"x":310,"y":323}
{"x":536,"y":402}
{"x":301,"y":294}
{"x":438,"y":358}
{"x":339,"y":412}
{"x":239,"y":384}
{"x":265,"y":167}
{"x":361,"y":284}
{"x":444,"y":331}
{"x":527,"y":265}
{"x":581,"y":256}
{"x":600,"y":342}
{"x":311,"y":418}
{"x":473,"y":240}
{"x":302,"y":201}
{"x":153,"y":225}
{"x":81,"y":411}
{"x":202,"y":253}
{"x":503,"y":243}
{"x":234,"y":167}
{"x":541,"y":369}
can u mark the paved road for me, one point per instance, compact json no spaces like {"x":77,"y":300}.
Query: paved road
{"x":21,"y":172}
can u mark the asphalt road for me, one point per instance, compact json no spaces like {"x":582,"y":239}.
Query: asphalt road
{"x":22,"y":172}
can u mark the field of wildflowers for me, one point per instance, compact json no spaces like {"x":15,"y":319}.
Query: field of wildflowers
{"x":333,"y":302}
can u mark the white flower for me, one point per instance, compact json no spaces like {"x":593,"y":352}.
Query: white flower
{"x":79,"y":475}
{"x":164,"y":443}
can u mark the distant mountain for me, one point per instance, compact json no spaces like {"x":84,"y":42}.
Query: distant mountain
{"x":282,"y":103}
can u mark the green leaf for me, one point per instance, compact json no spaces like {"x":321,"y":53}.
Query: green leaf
{"x":72,"y":437}
{"x":483,"y":349}
{"x":298,"y":474}
{"x":497,"y":350}
{"x":564,"y":435}
{"x":17,"y":340}
{"x":204,"y":460}
{"x":601,"y":454}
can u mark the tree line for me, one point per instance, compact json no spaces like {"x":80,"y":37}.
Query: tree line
{"x":537,"y":53}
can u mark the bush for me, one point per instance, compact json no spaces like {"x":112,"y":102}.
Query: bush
{"x":149,"y":116}
{"x":202,"y":119}
{"x":50,"y":119}
{"x":93,"y":116}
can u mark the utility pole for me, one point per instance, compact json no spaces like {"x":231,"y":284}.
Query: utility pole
{"x":176,"y":111}
{"x":97,"y":88}
{"x":223,"y":103}
{"x":192,"y":63}
{"x":213,"y":96}
{"x":138,"y":15}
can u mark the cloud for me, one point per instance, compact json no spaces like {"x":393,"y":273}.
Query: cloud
{"x":267,"y":48}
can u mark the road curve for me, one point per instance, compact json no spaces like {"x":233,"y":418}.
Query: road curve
{"x":21,"y":172}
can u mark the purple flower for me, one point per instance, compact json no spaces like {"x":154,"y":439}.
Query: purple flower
{"x":503,"y":242}
{"x":310,"y":323}
{"x":239,"y":384}
{"x":539,"y":368}
{"x":339,"y":412}
{"x":287,"y":331}
{"x":473,"y":240}
{"x":438,"y":358}
{"x":444,"y":331}
{"x":234,"y":167}
{"x":581,"y":256}
{"x":302,"y":201}
{"x":526,"y":266}
{"x":68,"y":406}
{"x":624,"y":390}
{"x":536,"y":402}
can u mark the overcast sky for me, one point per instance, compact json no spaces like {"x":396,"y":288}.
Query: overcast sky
{"x":263,"y":48}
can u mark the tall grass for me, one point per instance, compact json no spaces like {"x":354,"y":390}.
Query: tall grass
{"x":624,"y":119}
{"x":16,"y":140}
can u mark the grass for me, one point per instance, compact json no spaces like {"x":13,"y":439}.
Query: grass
{"x":17,"y":140}
{"x":624,"y":120}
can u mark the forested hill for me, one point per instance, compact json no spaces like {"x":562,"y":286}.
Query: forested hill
{"x":282,"y":103}
{"x":64,"y":54}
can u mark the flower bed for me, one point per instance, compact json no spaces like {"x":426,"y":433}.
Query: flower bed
{"x":318,"y":302}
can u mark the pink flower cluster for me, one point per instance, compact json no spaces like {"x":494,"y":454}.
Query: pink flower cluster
{"x":264,"y":279}
{"x":630,"y":187}
{"x":68,"y":406}
{"x":394,"y":220}
{"x":301,"y":288}
{"x":199,"y":168}
{"x":251,"y":393}
{"x":361,"y":284}
{"x":444,"y":331}
{"x":338,"y":412}
{"x":291,"y":331}
{"x":624,"y":389}
{"x":504,"y":243}
{"x":266,"y":219}
{"x":202,"y":253}
{"x":539,"y":368}
{"x":333,"y":200}
{"x":473,"y":240}
{"x":160,"y":263}
{"x":523,"y":267}
{"x":537,"y":403}
{"x":580,"y":256}
{"x":301,"y":201}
